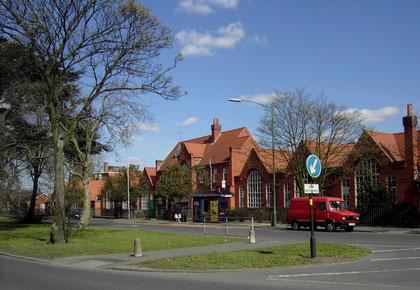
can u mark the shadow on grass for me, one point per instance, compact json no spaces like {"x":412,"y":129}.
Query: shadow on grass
{"x":10,"y":225}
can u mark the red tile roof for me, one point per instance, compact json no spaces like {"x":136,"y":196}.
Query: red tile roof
{"x":150,"y":173}
{"x":393,"y":145}
{"x":217,"y":152}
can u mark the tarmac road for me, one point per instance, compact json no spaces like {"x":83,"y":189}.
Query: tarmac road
{"x":395,"y":263}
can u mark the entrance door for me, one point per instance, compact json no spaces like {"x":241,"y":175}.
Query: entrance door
{"x":214,"y":210}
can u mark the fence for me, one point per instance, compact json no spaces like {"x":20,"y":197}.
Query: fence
{"x":229,"y":229}
{"x":405,"y":215}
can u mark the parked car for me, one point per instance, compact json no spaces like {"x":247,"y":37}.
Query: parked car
{"x":328,"y":212}
{"x":76,"y":214}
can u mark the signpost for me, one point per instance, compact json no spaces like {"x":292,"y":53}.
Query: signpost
{"x":313,"y":165}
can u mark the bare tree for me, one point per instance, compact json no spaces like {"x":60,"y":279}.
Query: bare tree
{"x":305,"y":125}
{"x":109,"y":45}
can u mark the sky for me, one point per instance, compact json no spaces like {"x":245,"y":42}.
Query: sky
{"x":364,"y":55}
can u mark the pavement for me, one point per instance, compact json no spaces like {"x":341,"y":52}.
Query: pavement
{"x":126,"y":261}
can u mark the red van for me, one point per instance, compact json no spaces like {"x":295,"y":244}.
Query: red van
{"x":329,"y":212}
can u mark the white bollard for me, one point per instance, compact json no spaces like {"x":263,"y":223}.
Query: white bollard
{"x":251,"y":237}
{"x":137,"y":248}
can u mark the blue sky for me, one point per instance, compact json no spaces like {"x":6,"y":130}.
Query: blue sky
{"x":362,"y":54}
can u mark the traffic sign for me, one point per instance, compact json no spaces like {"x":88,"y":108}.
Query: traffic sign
{"x":313,"y":165}
{"x":311,"y":188}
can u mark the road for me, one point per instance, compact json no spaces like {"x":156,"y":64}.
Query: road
{"x":395,"y":263}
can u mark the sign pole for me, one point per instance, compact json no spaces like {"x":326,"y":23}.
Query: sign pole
{"x":313,"y":165}
{"x":312,"y":239}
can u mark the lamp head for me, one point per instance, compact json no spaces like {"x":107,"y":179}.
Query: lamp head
{"x":235,"y":100}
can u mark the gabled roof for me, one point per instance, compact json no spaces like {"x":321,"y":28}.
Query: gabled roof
{"x":150,"y":173}
{"x":392,"y":144}
{"x":217,"y":152}
{"x":338,"y":153}
{"x":266,"y":157}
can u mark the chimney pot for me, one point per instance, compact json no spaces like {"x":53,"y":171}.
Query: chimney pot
{"x":409,"y":110}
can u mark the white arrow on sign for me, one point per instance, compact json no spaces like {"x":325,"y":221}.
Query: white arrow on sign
{"x":313,"y":167}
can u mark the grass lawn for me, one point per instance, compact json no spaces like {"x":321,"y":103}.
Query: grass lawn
{"x":281,"y":256}
{"x":33,"y":240}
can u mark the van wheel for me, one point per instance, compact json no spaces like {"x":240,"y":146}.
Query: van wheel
{"x":330,"y":227}
{"x":295,"y":226}
{"x":349,"y":229}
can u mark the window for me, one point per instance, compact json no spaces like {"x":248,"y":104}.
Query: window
{"x":107,"y":203}
{"x":124,"y":205}
{"x":269,"y":194}
{"x":205,"y":206}
{"x":322,"y":206}
{"x":241,"y":196}
{"x":391,"y":184}
{"x":254,"y":190}
{"x":287,"y":195}
{"x":215,"y":175}
{"x":345,"y":191}
{"x":366,"y":171}
{"x":224,"y":174}
{"x":305,"y":181}
{"x":144,"y":203}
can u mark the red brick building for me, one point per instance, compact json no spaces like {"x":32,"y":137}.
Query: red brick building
{"x":391,"y":158}
{"x":223,"y":154}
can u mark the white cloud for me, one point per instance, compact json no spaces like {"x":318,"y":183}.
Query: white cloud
{"x":188,"y":122}
{"x":196,"y":43}
{"x":374,"y":116}
{"x":204,"y":7}
{"x":259,"y":98}
{"x":134,"y":160}
{"x":148,"y":127}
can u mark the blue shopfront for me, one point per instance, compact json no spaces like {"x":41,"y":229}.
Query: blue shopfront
{"x":211,"y":207}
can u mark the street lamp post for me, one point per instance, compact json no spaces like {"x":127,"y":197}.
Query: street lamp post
{"x":271,"y":107}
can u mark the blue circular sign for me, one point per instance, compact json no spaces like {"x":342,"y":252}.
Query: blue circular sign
{"x":313,"y":165}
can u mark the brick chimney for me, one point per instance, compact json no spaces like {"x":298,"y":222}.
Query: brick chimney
{"x":216,"y":128}
{"x":106,"y":167}
{"x":410,"y":138}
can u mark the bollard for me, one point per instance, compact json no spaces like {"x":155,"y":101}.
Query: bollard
{"x":226,"y":228}
{"x":205,"y":226}
{"x":137,"y":248}
{"x":251,"y":237}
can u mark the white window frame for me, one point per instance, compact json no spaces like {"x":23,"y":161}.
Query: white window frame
{"x":345,"y":191}
{"x":287,"y":195}
{"x":241,"y":196}
{"x":269,"y":195}
{"x":391,"y":184}
{"x":144,"y":203}
{"x":254,"y":189}
{"x":361,"y":173}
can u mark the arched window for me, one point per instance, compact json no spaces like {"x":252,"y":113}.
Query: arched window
{"x":366,"y":171}
{"x":254,"y":189}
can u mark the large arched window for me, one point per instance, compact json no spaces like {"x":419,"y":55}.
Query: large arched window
{"x":366,"y":171}
{"x":254,"y":189}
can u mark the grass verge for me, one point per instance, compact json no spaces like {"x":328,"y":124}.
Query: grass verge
{"x":281,"y":256}
{"x":33,"y":240}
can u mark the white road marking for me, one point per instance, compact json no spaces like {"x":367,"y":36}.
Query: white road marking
{"x":396,"y":250}
{"x":346,"y":283}
{"x":342,"y":273}
{"x":393,"y":259}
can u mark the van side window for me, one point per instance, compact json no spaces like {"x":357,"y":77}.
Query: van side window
{"x":322,"y":206}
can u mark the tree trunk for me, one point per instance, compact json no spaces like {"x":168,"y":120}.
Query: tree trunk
{"x":84,"y":220}
{"x":31,"y":212}
{"x":58,"y":228}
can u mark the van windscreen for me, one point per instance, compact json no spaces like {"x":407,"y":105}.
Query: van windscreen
{"x":336,"y":205}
